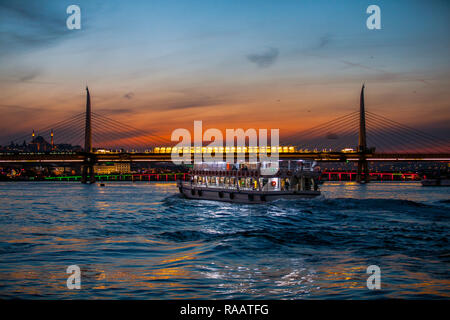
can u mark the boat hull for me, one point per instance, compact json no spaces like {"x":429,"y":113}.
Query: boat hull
{"x":436,"y":182}
{"x":242,"y":196}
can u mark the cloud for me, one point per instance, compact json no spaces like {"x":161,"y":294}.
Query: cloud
{"x":115,"y":111}
{"x":24,"y":76}
{"x":362,"y":66}
{"x":332,"y":136}
{"x":18,"y":108}
{"x":265,"y":58}
{"x":28,"y":76}
{"x":27,"y":25}
{"x":189,"y":99}
{"x":189,"y":105}
{"x":324,"y":41}
{"x":128,"y":95}
{"x":185,"y":102}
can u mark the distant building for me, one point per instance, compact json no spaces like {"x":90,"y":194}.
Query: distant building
{"x":59,"y":170}
{"x":39,"y":144}
{"x":118,"y":167}
{"x":67,"y":147}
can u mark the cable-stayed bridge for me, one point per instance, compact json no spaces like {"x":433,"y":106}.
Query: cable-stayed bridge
{"x":360,"y":136}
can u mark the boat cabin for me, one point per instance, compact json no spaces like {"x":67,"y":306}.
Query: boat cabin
{"x":256,"y":176}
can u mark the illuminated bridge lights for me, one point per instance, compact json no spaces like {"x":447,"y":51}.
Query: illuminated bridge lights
{"x":280,"y":149}
{"x":224,"y":150}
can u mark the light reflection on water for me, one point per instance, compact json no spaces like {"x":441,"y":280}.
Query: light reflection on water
{"x":140,"y":240}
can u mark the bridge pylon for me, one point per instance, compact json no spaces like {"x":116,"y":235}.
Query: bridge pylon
{"x":362,"y":175}
{"x":87,"y":174}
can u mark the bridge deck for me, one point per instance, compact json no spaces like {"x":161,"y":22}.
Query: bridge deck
{"x":152,"y":156}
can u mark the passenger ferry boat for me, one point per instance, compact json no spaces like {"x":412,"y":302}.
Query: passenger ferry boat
{"x":248,"y":182}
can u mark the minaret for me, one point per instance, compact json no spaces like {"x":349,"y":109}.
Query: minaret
{"x":51,"y":139}
{"x":32,"y":136}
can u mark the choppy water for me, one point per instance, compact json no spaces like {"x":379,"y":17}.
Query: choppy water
{"x":143,"y":241}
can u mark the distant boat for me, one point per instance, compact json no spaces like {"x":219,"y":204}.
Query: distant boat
{"x":436,"y":182}
{"x":436,"y":179}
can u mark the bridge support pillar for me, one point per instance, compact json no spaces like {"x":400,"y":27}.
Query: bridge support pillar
{"x":363,"y":170}
{"x":87,"y":170}
{"x":87,"y":174}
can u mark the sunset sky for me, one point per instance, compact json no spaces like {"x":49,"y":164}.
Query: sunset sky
{"x":160,"y":65}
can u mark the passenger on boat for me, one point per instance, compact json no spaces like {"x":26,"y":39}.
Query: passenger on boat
{"x":286,"y":185}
